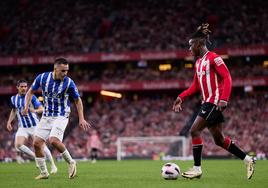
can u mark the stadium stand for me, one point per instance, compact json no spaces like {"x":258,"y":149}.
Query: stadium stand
{"x":31,"y":27}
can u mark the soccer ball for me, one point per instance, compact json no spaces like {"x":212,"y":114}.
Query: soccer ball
{"x":170,"y":171}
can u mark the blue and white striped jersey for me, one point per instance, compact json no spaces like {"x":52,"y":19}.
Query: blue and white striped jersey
{"x":56,"y":94}
{"x":18,"y":103}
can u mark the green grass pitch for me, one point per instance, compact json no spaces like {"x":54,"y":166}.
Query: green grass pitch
{"x":136,"y":174}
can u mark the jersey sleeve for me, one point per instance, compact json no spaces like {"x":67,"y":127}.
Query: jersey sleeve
{"x":223,"y":72}
{"x":194,"y":88}
{"x":12,"y":103}
{"x":37,"y":83}
{"x":73,"y":91}
{"x":36,"y":103}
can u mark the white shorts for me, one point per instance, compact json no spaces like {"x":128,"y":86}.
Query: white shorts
{"x":51,"y":126}
{"x":25,"y":132}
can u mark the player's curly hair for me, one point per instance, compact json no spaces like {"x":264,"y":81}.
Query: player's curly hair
{"x":202,"y":32}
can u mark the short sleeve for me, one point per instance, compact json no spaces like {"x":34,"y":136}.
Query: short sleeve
{"x":73,"y":91}
{"x":37,"y":82}
{"x":12,"y":102}
{"x":36,"y":103}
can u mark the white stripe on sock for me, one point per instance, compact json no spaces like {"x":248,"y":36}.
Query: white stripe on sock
{"x":42,"y":164}
{"x":49,"y":155}
{"x":67,"y":157}
{"x":26,"y":150}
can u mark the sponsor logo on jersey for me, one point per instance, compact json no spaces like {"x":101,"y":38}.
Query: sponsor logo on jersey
{"x":218,"y":61}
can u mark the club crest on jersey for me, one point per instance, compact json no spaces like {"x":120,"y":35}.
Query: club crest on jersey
{"x":201,"y":73}
{"x":205,"y":63}
{"x":218,"y":61}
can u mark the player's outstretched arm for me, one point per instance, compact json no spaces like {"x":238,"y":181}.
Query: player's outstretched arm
{"x":28,"y":98}
{"x":80,"y":110}
{"x":12,"y":116}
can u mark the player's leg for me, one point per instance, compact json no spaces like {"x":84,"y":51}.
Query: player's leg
{"x":48,"y":154}
{"x":41,"y":134}
{"x":20,"y":140}
{"x":57,"y":143}
{"x":198,"y":126}
{"x":94,"y":155}
{"x":55,"y":139}
{"x":31,"y":132}
{"x":227,"y":144}
{"x":39,"y":144}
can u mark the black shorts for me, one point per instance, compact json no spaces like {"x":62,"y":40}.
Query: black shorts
{"x":209,"y":112}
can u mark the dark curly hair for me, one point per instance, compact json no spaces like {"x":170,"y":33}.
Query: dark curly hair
{"x":202,"y":33}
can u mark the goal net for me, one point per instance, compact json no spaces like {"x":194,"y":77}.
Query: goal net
{"x":156,"y":147}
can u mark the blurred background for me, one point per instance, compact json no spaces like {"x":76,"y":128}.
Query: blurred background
{"x":138,"y":49}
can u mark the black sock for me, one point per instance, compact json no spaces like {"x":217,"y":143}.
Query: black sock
{"x":236,"y":151}
{"x":197,"y":151}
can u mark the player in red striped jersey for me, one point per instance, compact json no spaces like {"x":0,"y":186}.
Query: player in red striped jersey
{"x":212,"y":79}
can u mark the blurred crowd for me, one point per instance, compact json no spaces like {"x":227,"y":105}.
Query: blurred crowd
{"x":83,"y":74}
{"x":31,"y":27}
{"x":246,"y":122}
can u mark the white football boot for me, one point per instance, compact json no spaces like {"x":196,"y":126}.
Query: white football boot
{"x":42,"y":176}
{"x":72,"y":169}
{"x":54,"y":169}
{"x":194,"y":172}
{"x":250,"y":167}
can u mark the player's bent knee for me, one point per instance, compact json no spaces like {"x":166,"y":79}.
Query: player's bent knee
{"x":219,"y":142}
{"x":17,"y":147}
{"x":37,"y":144}
{"x":53,"y":140}
{"x":194,"y":133}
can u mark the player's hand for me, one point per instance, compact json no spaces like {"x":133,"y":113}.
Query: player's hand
{"x":24,"y":112}
{"x":222,"y":105}
{"x":177,"y":105}
{"x":84,"y":125}
{"x":32,"y":110}
{"x":9,"y":127}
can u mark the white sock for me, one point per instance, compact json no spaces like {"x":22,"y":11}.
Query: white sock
{"x":247,"y":159}
{"x":49,"y":156}
{"x":67,"y":157}
{"x":42,"y":164}
{"x":26,"y":150}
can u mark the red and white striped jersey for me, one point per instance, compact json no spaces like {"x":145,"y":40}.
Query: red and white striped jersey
{"x":212,"y":79}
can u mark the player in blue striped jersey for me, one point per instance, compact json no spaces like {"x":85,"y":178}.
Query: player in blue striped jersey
{"x":56,"y":88}
{"x":26,"y":124}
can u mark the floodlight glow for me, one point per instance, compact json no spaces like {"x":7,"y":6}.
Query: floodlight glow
{"x":111,"y":94}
